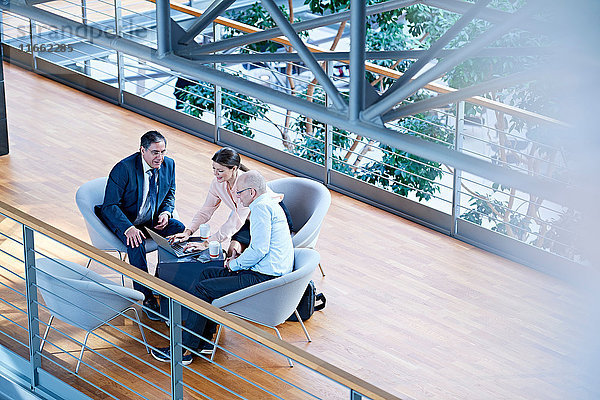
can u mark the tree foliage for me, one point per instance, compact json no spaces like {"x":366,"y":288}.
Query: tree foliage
{"x":520,"y":143}
{"x":402,"y":172}
{"x":238,"y":109}
{"x":323,"y":7}
{"x":312,"y":147}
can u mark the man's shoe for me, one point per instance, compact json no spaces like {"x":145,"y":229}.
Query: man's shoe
{"x":152,"y":309}
{"x":206,"y":349}
{"x":163,"y":354}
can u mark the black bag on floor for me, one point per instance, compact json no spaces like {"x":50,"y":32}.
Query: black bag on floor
{"x":311,"y":301}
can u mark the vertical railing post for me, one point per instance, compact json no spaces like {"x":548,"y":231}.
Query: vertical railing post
{"x":3,"y":113}
{"x":217,"y":32}
{"x":32,"y":42}
{"x":84,"y":20}
{"x":176,"y":350}
{"x":2,"y":28}
{"x":355,"y":395}
{"x":119,"y":33}
{"x":328,"y":145}
{"x":458,"y":142}
{"x":35,"y":359}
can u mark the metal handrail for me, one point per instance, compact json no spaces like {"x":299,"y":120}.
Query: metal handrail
{"x":187,"y":300}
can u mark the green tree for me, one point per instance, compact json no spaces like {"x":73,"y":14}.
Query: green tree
{"x":312,"y":146}
{"x":402,"y":172}
{"x":323,"y":7}
{"x":398,"y":171}
{"x":238,"y":109}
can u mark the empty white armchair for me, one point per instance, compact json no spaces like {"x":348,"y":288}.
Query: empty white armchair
{"x":89,"y":195}
{"x":82,"y":298}
{"x":270,"y":303}
{"x":307,"y":202}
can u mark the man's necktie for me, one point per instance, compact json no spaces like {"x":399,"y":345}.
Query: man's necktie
{"x":152,"y":191}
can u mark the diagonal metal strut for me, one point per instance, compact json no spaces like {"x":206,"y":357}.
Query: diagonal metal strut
{"x":438,"y":46}
{"x":305,"y":54}
{"x":211,"y":13}
{"x":452,"y":97}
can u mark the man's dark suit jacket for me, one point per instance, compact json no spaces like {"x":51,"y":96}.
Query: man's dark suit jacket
{"x":124,"y":192}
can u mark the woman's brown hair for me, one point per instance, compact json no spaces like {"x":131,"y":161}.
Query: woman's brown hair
{"x":229,"y":158}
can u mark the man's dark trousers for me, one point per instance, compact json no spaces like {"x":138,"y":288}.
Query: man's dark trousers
{"x":137,"y":255}
{"x":212,"y":284}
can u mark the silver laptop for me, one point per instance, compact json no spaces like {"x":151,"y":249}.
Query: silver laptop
{"x":176,"y":248}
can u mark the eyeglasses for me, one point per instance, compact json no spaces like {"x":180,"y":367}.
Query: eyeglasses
{"x":242,"y":191}
{"x":157,"y":152}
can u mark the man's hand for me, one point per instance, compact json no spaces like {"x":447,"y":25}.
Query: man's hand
{"x":193,"y":246}
{"x":180,"y":237}
{"x":134,"y":237}
{"x":163,"y":220}
{"x":234,"y":255}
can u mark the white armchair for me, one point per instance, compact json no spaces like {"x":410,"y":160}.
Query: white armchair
{"x":89,"y":195}
{"x":270,"y":303}
{"x":307,"y":202}
{"x":82,"y":298}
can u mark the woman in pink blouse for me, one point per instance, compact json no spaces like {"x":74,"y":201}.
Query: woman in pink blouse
{"x":227,"y":167}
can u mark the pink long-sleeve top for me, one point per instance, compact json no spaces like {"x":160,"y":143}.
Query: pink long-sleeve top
{"x":218,"y":193}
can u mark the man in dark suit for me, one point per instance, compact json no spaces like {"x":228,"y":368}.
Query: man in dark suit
{"x":140,"y":193}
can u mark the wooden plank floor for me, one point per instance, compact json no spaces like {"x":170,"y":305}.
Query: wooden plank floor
{"x":410,"y":310}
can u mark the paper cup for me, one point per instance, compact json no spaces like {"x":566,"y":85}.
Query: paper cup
{"x":214,"y":249}
{"x":204,"y":231}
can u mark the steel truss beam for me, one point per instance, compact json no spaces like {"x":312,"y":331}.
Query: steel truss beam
{"x":249,"y":38}
{"x":411,"y":144}
{"x":344,"y":56}
{"x":446,"y":64}
{"x":306,"y":55}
